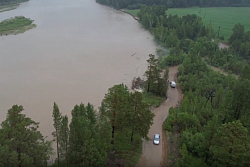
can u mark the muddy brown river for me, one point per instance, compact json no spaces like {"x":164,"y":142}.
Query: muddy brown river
{"x":78,"y":50}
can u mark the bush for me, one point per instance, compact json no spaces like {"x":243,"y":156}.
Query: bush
{"x":221,"y":38}
{"x":169,"y":123}
{"x":152,"y":99}
{"x":172,"y":60}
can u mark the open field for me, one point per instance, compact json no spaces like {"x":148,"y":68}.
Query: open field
{"x":225,"y":17}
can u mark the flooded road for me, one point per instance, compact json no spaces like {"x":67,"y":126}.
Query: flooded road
{"x":78,"y":50}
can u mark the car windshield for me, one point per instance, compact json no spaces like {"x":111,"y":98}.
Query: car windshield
{"x":157,"y":137}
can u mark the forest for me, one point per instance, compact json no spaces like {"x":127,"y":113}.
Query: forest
{"x":135,"y":4}
{"x":212,"y":122}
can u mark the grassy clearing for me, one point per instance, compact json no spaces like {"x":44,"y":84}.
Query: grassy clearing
{"x":225,"y":17}
{"x":152,"y":99}
{"x":16,"y":25}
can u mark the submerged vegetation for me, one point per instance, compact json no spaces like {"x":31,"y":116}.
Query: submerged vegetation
{"x":16,"y":25}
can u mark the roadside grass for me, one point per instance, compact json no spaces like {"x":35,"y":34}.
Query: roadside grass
{"x":16,"y":25}
{"x":152,"y":99}
{"x":172,"y":142}
{"x":223,"y":17}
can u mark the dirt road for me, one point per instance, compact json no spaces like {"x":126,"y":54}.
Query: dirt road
{"x":152,"y":154}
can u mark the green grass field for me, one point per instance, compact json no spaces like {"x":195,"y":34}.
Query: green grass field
{"x":225,"y":17}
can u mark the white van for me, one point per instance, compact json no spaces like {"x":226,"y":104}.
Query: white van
{"x":172,"y":84}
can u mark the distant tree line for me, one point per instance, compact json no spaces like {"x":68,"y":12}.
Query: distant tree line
{"x":135,"y":4}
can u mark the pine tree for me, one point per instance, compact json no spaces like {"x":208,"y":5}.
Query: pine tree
{"x":129,"y":118}
{"x":64,"y":139}
{"x":103,"y":130}
{"x":84,"y":148}
{"x":152,"y":73}
{"x":21,"y":144}
{"x":141,"y":116}
{"x":57,"y":123}
{"x":114,"y":105}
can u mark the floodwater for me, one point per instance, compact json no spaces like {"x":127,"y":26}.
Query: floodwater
{"x":78,"y":50}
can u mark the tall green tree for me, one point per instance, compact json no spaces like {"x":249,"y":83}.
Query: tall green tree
{"x":141,"y":116}
{"x":104,"y":130}
{"x":64,"y":139}
{"x":116,"y":104}
{"x":21,"y":144}
{"x":84,"y":149}
{"x":129,"y":118}
{"x":153,"y":73}
{"x":57,"y":116}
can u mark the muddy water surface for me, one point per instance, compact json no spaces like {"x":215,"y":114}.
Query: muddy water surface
{"x":78,"y":50}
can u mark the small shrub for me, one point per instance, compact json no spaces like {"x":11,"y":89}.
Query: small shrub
{"x":221,"y":38}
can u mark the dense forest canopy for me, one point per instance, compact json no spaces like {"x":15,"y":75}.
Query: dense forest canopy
{"x":212,"y":123}
{"x":135,"y":4}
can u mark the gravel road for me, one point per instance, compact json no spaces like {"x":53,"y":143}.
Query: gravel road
{"x":152,"y":154}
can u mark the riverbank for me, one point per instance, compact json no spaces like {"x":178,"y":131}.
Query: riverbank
{"x":8,"y":7}
{"x":136,"y":18}
{"x":11,"y":6}
{"x":222,"y":45}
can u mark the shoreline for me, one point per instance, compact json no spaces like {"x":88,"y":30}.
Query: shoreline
{"x":11,"y":6}
{"x":136,"y":18}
